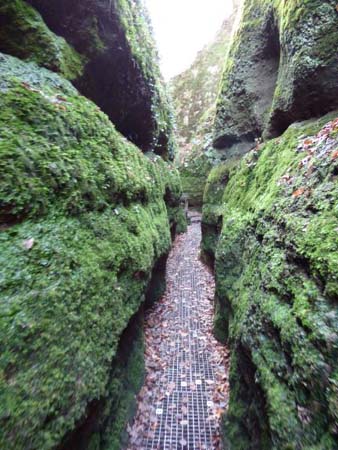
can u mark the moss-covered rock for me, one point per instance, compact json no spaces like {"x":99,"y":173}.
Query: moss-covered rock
{"x":195,"y":90}
{"x":194,"y":93}
{"x":212,"y":208}
{"x":83,"y":221}
{"x":24,"y":34}
{"x":194,"y":172}
{"x":121,"y":74}
{"x":282,"y":67}
{"x":277,"y":288}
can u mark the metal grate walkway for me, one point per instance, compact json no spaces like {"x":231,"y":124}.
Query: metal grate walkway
{"x":186,"y":387}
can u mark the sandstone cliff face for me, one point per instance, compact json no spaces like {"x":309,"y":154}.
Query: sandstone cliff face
{"x":85,"y":222}
{"x":281,"y":68}
{"x":195,"y":90}
{"x":113,"y":55}
{"x":195,"y":93}
{"x":270,"y":224}
{"x":273,"y":231}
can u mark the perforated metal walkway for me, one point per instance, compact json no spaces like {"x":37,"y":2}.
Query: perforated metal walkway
{"x":186,"y":386}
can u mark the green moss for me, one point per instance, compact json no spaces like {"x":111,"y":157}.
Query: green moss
{"x":194,"y":173}
{"x":126,"y":382}
{"x":137,"y":27}
{"x":276,"y":280}
{"x":280,"y":68}
{"x":212,"y":208}
{"x":177,"y":219}
{"x":84,"y":219}
{"x":45,"y":162}
{"x":24,"y":34}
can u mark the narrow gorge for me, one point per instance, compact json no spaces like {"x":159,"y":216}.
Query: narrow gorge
{"x":168,"y":250}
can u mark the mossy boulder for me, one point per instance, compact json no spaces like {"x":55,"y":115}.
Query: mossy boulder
{"x":24,"y":34}
{"x":277,"y":288}
{"x":83,"y":220}
{"x":281,"y":68}
{"x":106,"y":48}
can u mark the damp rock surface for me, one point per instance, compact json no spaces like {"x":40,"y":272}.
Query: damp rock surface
{"x":84,"y":218}
{"x":107,"y":50}
{"x":281,"y":68}
{"x":270,"y":222}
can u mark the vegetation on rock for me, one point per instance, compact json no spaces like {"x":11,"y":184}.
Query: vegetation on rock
{"x":24,"y":34}
{"x":270,"y":224}
{"x":84,"y":216}
{"x":89,"y":205}
{"x":281,"y":67}
{"x":195,"y":93}
{"x":108,"y":52}
{"x":276,"y":278}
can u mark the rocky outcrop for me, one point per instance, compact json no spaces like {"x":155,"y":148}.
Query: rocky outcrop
{"x":24,"y":34}
{"x":195,"y":90}
{"x":270,"y":225}
{"x":276,"y":276}
{"x":86,"y":220}
{"x":195,"y":93}
{"x":281,"y":68}
{"x":106,"y":50}
{"x":212,"y":209}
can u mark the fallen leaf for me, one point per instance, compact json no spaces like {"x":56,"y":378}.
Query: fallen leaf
{"x":184,"y":410}
{"x":60,"y":98}
{"x":61,"y":107}
{"x":334,"y":155}
{"x":308,"y":142}
{"x":299,"y":192}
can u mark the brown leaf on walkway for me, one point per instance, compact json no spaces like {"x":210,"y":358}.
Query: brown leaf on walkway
{"x":183,"y":359}
{"x":334,"y":155}
{"x":299,"y":192}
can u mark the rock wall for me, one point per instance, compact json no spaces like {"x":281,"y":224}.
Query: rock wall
{"x":274,"y":233}
{"x":195,"y":90}
{"x":195,"y":93}
{"x":270,"y":228}
{"x":86,"y":220}
{"x":113,"y":59}
{"x":281,"y":68}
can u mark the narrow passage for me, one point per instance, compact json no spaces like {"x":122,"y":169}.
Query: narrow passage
{"x":186,"y":386}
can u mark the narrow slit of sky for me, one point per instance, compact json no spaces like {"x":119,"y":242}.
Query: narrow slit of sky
{"x":183,"y":27}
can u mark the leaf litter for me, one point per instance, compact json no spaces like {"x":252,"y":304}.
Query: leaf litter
{"x":186,"y":386}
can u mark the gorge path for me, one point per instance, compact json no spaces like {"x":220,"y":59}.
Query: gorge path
{"x":186,"y":385}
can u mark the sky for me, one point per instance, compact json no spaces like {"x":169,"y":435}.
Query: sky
{"x":183,"y":27}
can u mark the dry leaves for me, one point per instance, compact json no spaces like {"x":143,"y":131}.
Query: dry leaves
{"x":178,"y":335}
{"x":334,"y":155}
{"x":321,"y":150}
{"x":299,"y":192}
